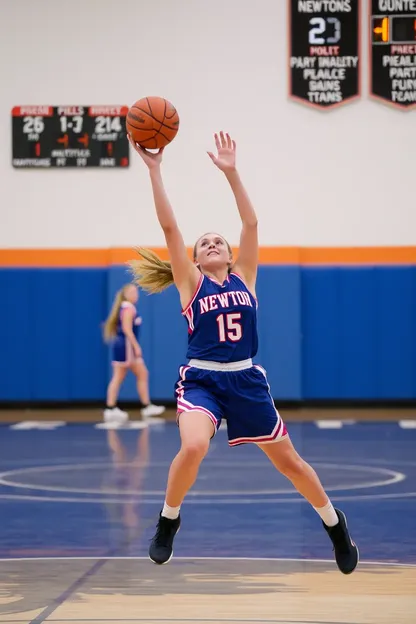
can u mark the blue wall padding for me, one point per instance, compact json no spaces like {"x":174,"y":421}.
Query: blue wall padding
{"x":396,"y":337}
{"x":51,"y":343}
{"x":169,"y":336}
{"x":357,"y":313}
{"x":16,"y":363}
{"x":88,"y":366}
{"x":51,"y":334}
{"x":320,"y":333}
{"x":335,"y":333}
{"x":359,"y":333}
{"x":278,"y":293}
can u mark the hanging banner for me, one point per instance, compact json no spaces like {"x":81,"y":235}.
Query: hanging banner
{"x":393,"y":52}
{"x":324,"y":51}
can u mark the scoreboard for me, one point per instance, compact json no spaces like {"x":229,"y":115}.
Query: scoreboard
{"x":324,"y":51}
{"x":69,"y":136}
{"x":393,"y":51}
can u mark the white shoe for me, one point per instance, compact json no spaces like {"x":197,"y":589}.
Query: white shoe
{"x":152,"y":410}
{"x":115,"y":414}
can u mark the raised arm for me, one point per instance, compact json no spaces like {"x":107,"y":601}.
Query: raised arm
{"x":185,"y":273}
{"x":247,"y":261}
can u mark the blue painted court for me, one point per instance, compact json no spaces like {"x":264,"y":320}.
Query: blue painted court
{"x":80,"y":490}
{"x":79,"y":503}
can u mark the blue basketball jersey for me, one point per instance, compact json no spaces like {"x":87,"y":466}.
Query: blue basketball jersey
{"x":222,"y":321}
{"x":136,"y":320}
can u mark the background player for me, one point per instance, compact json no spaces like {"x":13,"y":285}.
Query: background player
{"x":122,"y":329}
{"x":218,"y":299}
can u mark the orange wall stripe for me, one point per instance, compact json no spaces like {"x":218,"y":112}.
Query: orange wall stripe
{"x":305,"y":256}
{"x":357,"y":255}
{"x":54,"y":257}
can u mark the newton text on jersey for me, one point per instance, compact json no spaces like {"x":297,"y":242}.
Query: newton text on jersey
{"x":224,"y":300}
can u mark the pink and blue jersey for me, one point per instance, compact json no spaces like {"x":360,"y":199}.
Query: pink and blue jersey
{"x":220,"y":379}
{"x":122,"y":350}
{"x":222,"y":321}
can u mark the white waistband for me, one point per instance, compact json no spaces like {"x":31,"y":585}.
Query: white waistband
{"x":221,"y":366}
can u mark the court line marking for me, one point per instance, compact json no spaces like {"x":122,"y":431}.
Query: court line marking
{"x":407,"y":424}
{"x":22,"y":464}
{"x":50,"y":462}
{"x":77,"y":584}
{"x":101,"y":561}
{"x":185,"y":621}
{"x":43,"y":425}
{"x":49,"y":425}
{"x":67,"y":593}
{"x":200,"y":501}
{"x":395,"y":477}
{"x":329,"y":424}
{"x":275,"y":559}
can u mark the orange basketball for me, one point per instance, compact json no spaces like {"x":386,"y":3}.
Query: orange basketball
{"x":152,"y":122}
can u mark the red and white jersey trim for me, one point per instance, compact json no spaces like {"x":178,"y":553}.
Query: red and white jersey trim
{"x":188,"y":312}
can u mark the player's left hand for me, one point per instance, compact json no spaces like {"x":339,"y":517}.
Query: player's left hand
{"x":226,"y":148}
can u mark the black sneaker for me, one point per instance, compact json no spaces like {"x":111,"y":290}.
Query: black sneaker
{"x":161,"y":546}
{"x":346,"y":552}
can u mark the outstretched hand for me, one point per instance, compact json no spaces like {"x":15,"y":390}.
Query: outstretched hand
{"x":152,"y":159}
{"x":226,"y":156}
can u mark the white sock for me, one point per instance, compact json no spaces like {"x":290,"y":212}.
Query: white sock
{"x":170,"y":512}
{"x":328,"y":514}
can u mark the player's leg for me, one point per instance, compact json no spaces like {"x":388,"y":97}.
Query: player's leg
{"x":112,"y":412}
{"x":258,"y":421}
{"x":196,"y":430}
{"x":285,"y":458}
{"x":139,"y":369}
{"x":199,"y":417}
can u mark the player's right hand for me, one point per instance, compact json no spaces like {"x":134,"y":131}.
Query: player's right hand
{"x":152,"y":159}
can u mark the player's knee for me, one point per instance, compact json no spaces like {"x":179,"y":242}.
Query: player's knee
{"x":293,"y":466}
{"x":140,"y":371}
{"x":195,"y":449}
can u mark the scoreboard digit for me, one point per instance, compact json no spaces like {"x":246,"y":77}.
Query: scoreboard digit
{"x":324,"y":51}
{"x":393,"y":52}
{"x":69,"y":136}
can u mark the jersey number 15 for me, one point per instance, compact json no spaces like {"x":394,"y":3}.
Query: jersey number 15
{"x":229,"y":328}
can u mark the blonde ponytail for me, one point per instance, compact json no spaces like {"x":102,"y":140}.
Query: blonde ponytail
{"x":151,"y":273}
{"x":110,"y":326}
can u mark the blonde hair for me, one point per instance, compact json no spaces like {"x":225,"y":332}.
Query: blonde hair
{"x":110,"y":326}
{"x":151,"y":273}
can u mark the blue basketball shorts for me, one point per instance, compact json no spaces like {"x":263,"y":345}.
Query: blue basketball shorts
{"x":122,"y":353}
{"x":242,"y":397}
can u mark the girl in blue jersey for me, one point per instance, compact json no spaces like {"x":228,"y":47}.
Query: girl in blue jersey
{"x":218,"y":297}
{"x":122,"y":329}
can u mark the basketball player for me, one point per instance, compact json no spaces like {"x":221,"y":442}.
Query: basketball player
{"x":122,"y":328}
{"x":219,"y":302}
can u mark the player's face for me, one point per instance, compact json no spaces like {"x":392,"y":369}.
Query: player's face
{"x":212,"y":252}
{"x":131,"y":293}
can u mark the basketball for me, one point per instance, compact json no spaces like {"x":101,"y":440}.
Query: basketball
{"x":152,"y":122}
